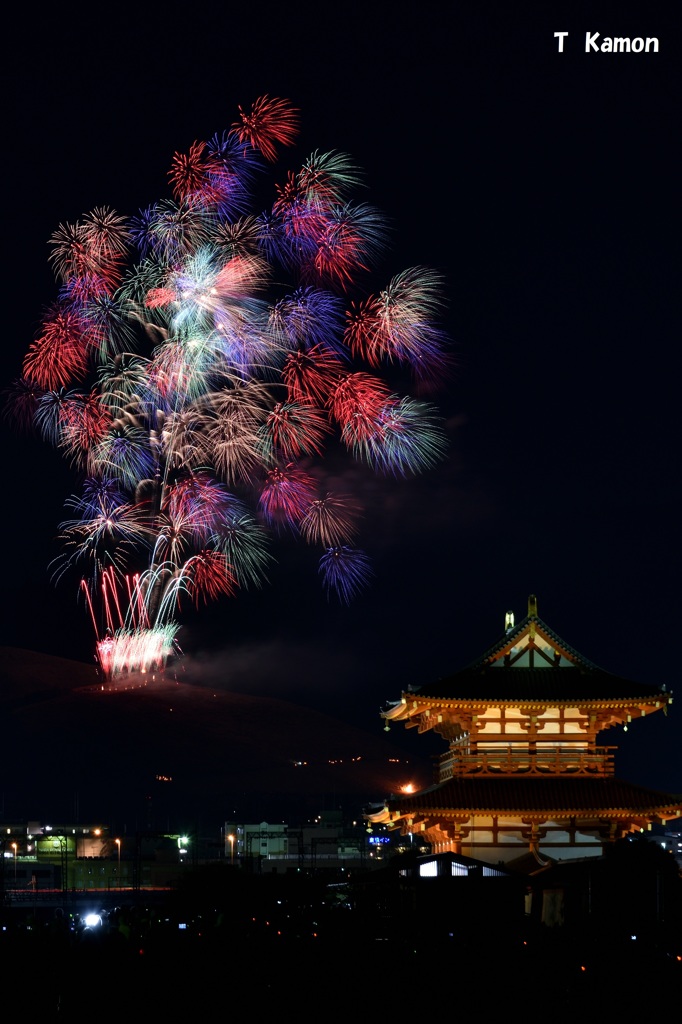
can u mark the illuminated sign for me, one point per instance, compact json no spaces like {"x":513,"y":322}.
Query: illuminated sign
{"x":56,"y":846}
{"x":376,"y":840}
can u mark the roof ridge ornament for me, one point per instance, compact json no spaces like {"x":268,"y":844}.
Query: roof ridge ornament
{"x":532,"y":606}
{"x":508,"y":621}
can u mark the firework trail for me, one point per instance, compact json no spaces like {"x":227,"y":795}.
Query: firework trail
{"x":195,"y":394}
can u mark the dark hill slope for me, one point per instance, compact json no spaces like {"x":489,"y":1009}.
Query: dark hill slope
{"x":172,"y":755}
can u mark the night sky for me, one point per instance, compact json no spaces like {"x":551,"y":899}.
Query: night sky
{"x":544,"y":187}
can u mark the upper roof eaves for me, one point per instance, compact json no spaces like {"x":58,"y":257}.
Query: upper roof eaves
{"x":488,"y":678}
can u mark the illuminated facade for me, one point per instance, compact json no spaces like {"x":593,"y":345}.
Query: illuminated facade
{"x":522,"y":772}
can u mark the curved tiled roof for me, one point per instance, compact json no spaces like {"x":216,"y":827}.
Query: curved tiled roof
{"x":481,"y":681}
{"x":574,"y":679}
{"x":537,"y":795}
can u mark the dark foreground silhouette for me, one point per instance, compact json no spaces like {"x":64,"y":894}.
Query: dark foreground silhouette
{"x":235,"y":942}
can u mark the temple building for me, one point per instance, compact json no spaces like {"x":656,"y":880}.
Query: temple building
{"x":522,"y":773}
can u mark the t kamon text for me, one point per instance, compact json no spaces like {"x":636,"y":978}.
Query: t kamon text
{"x":595,"y":42}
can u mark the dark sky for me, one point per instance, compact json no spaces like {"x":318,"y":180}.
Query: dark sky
{"x":544,"y":187}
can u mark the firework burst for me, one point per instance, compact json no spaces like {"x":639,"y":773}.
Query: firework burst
{"x":200,"y":359}
{"x":345,"y":571}
{"x":269,"y":122}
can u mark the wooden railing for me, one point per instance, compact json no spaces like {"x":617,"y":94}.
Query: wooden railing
{"x":548,"y":761}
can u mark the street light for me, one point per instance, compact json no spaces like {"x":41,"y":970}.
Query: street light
{"x":230,"y":839}
{"x":14,"y":847}
{"x":118,"y":844}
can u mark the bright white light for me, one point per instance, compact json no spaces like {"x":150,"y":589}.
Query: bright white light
{"x":92,"y":920}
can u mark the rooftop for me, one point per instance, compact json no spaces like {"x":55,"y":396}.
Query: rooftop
{"x":554,"y":794}
{"x":532,"y":663}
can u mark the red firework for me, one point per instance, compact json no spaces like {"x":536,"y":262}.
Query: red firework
{"x":286,"y":496}
{"x":357,"y":402}
{"x":296,"y":429}
{"x":339,"y":255}
{"x":188,"y":172}
{"x":269,"y":121}
{"x":362,"y":330}
{"x":309,"y":375}
{"x":159,"y":297}
{"x":209,"y":577}
{"x":59,"y":355}
{"x":84,"y":422}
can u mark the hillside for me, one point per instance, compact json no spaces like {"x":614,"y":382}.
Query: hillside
{"x":169,"y":754}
